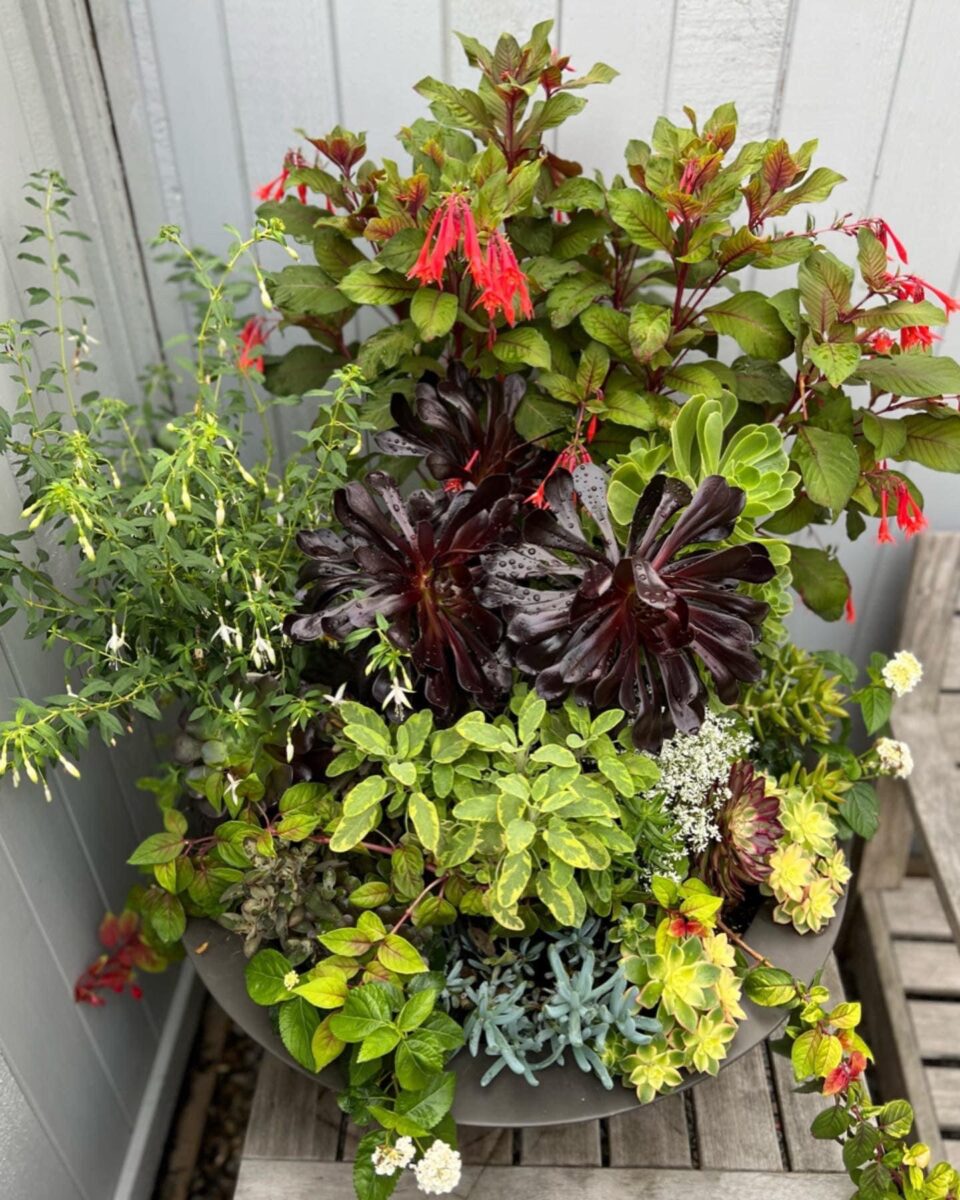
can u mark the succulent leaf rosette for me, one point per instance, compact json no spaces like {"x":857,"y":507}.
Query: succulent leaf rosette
{"x":492,"y":739}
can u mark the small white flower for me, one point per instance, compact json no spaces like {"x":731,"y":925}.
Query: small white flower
{"x":117,"y":640}
{"x":290,"y":980}
{"x":895,"y":757}
{"x":257,"y":581}
{"x":389,"y":1159}
{"x":228,"y":634}
{"x":338,"y":696}
{"x":902,"y":673}
{"x":438,"y":1172}
{"x":262,"y":652}
{"x":398,"y":696}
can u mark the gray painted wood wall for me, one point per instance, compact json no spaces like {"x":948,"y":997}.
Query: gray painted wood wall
{"x":200,"y":101}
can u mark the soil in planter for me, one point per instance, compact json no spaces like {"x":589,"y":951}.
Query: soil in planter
{"x":202,"y":1156}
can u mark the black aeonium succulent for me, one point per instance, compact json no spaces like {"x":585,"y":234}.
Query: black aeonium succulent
{"x":630,"y":627}
{"x":463,"y":428}
{"x":415,"y":561}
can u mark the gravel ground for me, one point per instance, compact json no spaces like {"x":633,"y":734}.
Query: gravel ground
{"x":202,"y":1157}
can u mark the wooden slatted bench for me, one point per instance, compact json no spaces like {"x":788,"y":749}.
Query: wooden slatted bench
{"x":902,"y":942}
{"x":744,"y":1135}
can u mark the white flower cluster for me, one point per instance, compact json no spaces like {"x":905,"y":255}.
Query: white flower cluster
{"x":895,"y":757}
{"x":693,"y":776}
{"x":902,"y":673}
{"x":437,"y":1173}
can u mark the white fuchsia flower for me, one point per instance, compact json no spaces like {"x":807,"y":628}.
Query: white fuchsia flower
{"x":902,"y":673}
{"x":438,"y":1172}
{"x":895,"y":757}
{"x":117,"y":640}
{"x":389,"y":1159}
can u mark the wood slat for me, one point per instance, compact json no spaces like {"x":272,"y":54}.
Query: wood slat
{"x":951,"y":662}
{"x":261,"y":1179}
{"x":945,"y":1089}
{"x":937,"y":1026}
{"x":872,"y":959}
{"x":797,"y":1109}
{"x":931,"y":602}
{"x":928,"y":968}
{"x":561,"y":1145}
{"x":654,"y":1136}
{"x":725,"y":1137}
{"x":914,"y":910}
{"x":289,"y":1118}
{"x":478,"y":1146}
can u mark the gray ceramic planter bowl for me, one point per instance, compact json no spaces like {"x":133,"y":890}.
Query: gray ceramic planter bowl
{"x":565,"y":1094}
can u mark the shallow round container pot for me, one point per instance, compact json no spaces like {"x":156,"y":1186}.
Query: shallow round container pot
{"x":565,"y":1093}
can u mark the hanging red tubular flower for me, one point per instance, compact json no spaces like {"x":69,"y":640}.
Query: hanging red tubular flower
{"x":252,"y":336}
{"x":451,"y":223}
{"x":841,"y":1077}
{"x":849,"y":611}
{"x":880,"y":342}
{"x":884,"y":536}
{"x":912,"y":287}
{"x":917,"y":335}
{"x":276,"y":188}
{"x":503,"y":282}
{"x":910,"y":516}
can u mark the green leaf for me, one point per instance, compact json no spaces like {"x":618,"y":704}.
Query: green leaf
{"x":875,"y":704}
{"x":896,"y":1118}
{"x":803,"y":1054}
{"x":642,"y":218}
{"x":378,"y":1043}
{"x":770,"y":987}
{"x":385,"y":348}
{"x":887,"y":436}
{"x":512,"y":878}
{"x":406,"y":872}
{"x":518,"y":834}
{"x":913,"y":374}
{"x":350,"y":941}
{"x":575,"y":193}
{"x":825,"y":285}
{"x":426,"y":821}
{"x":592,"y":371}
{"x":556,"y":756}
{"x":872,"y":259}
{"x":264,"y":974}
{"x":324,"y":1046}
{"x":610,"y":328}
{"x":876,"y":1183}
{"x":416,"y":1010}
{"x":301,"y":369}
{"x":522,"y":345}
{"x":837,"y":360}
{"x":368,"y":792}
{"x":157,"y":848}
{"x":352,"y":830}
{"x":366,"y":1008}
{"x":165,"y":915}
{"x":370,"y":741}
{"x":861,"y":810}
{"x":367,"y":283}
{"x":829,"y":464}
{"x":307,"y":290}
{"x":901,"y":314}
{"x":325,"y":991}
{"x":860,"y":1145}
{"x":650,"y":327}
{"x":752,"y":321}
{"x":559,"y":900}
{"x":298,"y":1023}
{"x":366,"y":1182}
{"x":932,"y":441}
{"x":820,"y":580}
{"x":397,"y":955}
{"x":571,"y":296}
{"x":295,"y":826}
{"x":831,"y":1123}
{"x":431,"y":1104}
{"x":433,"y":312}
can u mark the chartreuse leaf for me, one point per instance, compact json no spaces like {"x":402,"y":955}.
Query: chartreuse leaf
{"x":426,"y":820}
{"x":265,"y":974}
{"x":324,"y":1046}
{"x":433,"y":312}
{"x":157,"y":848}
{"x":397,"y":955}
{"x":642,"y":218}
{"x":558,"y":899}
{"x":370,"y":895}
{"x":769,"y":987}
{"x":512,"y":877}
{"x":837,"y":360}
{"x":325,"y":991}
{"x":610,"y":328}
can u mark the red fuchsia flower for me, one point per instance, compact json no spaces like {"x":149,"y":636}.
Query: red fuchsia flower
{"x":917,"y":335}
{"x":849,"y":611}
{"x":912,"y":287}
{"x":503,"y":281}
{"x":841,"y":1077}
{"x":884,"y":536}
{"x":880,"y":342}
{"x":252,"y":337}
{"x":451,"y":226}
{"x":276,"y":188}
{"x":910,"y":516}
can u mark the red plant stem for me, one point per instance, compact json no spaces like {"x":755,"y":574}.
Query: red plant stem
{"x":744,"y":946}
{"x":408,"y":912}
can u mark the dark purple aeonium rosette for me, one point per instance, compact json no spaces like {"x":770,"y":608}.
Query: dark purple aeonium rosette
{"x":632,"y":627}
{"x":463,"y":429}
{"x":415,"y":562}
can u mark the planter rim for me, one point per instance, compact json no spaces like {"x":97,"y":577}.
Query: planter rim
{"x":565,"y":1094}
